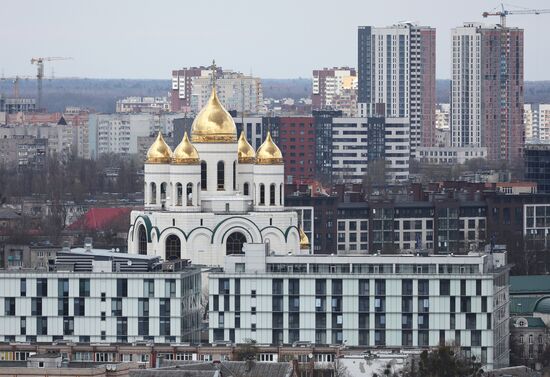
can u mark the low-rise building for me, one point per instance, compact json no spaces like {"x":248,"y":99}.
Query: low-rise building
{"x":384,"y":301}
{"x":98,"y":296}
{"x":450,"y":155}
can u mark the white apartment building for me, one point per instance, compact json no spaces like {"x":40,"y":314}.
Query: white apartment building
{"x":118,"y":133}
{"x":393,"y":301}
{"x":397,"y":145}
{"x":235,"y":90}
{"x":442,"y":116}
{"x":450,"y":155}
{"x":466,"y":100}
{"x":86,"y":301}
{"x":536,"y":118}
{"x":355,"y":141}
{"x":143,"y":105}
{"x":349,"y":149}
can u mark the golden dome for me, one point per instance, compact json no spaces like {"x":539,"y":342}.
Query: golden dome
{"x":213,"y":124}
{"x":304,"y":241}
{"x":185,"y":153}
{"x":269,"y":153}
{"x":159,"y":152}
{"x":245,"y":152}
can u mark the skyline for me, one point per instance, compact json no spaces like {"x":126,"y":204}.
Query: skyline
{"x":165,"y":36}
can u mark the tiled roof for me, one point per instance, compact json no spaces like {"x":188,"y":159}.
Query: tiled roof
{"x":99,"y":218}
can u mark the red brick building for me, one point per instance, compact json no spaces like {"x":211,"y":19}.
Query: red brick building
{"x":297,"y":142}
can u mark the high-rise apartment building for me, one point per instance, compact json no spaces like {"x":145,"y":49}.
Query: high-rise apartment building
{"x":536,"y":120}
{"x":396,"y":70}
{"x":335,"y":89}
{"x":191,"y":89}
{"x":487,"y":89}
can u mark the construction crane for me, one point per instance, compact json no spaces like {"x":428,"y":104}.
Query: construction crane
{"x":40,"y":74}
{"x":505,"y":12}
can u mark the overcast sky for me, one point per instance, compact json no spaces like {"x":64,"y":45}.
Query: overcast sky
{"x":271,"y":39}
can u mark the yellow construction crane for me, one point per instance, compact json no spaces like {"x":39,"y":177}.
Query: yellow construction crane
{"x":40,"y":74}
{"x":502,"y":13}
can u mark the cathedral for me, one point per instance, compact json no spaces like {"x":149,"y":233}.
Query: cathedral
{"x":213,"y":194}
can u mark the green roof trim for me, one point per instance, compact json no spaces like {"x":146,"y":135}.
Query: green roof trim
{"x":531,"y":284}
{"x":535,"y":322}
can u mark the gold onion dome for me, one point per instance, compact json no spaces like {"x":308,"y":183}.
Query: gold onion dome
{"x":213,"y":124}
{"x":159,"y":152}
{"x":185,"y":153}
{"x":304,"y":241}
{"x":269,"y":153}
{"x":245,"y":152}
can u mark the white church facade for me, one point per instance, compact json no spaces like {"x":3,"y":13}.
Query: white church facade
{"x":213,"y":194}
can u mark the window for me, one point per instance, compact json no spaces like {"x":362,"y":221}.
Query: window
{"x":246,"y":189}
{"x":142,"y":240}
{"x":63,"y":287}
{"x":444,"y":287}
{"x":221,"y":175}
{"x":42,"y":325}
{"x":153,"y":193}
{"x":234,"y":243}
{"x":62,"y":306}
{"x":23,"y":287}
{"x":79,"y":306}
{"x":173,"y":247}
{"x":272,"y":194}
{"x":149,"y":288}
{"x":23,"y":326}
{"x":9,"y":306}
{"x":36,"y":306}
{"x":116,"y":307}
{"x":84,"y":287}
{"x":68,"y":326}
{"x":170,"y":288}
{"x":42,"y":287}
{"x":121,"y":287}
{"x":262,"y":194}
{"x":204,"y":179}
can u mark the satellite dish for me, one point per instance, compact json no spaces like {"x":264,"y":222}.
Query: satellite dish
{"x":129,"y":263}
{"x":310,"y":356}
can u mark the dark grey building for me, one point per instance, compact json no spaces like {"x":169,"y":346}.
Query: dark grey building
{"x":537,"y":165}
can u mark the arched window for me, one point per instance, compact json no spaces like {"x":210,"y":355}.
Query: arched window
{"x":245,"y":189}
{"x":234,"y":175}
{"x":221,"y":175}
{"x":163,"y":192}
{"x":203,"y":175}
{"x":272,"y":194}
{"x":142,"y":240}
{"x":234,"y":243}
{"x":153,"y":193}
{"x":179,"y":194}
{"x":189,"y":194}
{"x":262,"y":194}
{"x":173,"y":247}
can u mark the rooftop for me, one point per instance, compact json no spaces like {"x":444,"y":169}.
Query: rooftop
{"x":530,"y":285}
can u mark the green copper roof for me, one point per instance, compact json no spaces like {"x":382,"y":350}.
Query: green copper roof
{"x":535,"y":322}
{"x":532,"y":284}
{"x":543,"y":305}
{"x":522,"y":305}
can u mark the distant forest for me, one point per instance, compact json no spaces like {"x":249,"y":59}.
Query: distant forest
{"x":102,"y":94}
